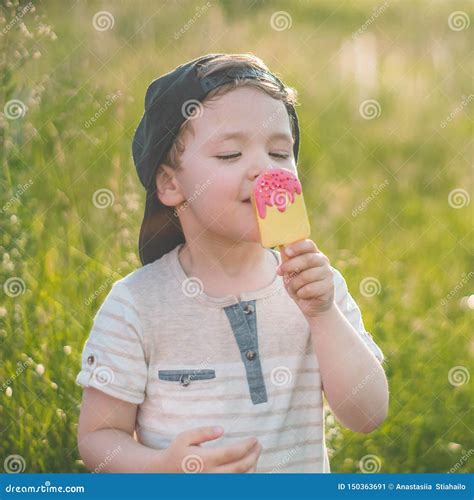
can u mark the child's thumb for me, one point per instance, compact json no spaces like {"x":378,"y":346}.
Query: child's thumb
{"x":201,"y":435}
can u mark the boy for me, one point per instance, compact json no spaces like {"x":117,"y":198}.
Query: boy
{"x":216,"y":352}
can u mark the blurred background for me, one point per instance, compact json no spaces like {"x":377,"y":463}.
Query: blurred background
{"x":386,"y":113}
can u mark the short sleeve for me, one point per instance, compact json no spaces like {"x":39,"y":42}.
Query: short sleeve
{"x":351,"y":311}
{"x":113,"y":358}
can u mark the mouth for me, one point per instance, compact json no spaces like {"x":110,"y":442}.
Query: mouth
{"x":247,"y":201}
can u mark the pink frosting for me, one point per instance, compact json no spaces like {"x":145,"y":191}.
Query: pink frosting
{"x":275,"y":187}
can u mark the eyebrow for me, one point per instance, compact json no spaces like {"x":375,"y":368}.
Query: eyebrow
{"x":242,"y":135}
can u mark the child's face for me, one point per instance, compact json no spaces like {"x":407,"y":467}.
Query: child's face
{"x":218,"y":173}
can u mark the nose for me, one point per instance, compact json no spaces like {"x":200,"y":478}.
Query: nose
{"x":258,"y":167}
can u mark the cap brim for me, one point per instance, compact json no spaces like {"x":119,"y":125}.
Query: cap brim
{"x":161,"y":230}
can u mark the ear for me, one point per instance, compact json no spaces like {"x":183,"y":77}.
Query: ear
{"x":168,"y":188}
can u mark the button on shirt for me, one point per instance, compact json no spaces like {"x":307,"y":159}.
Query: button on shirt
{"x":250,"y":355}
{"x":190,"y":360}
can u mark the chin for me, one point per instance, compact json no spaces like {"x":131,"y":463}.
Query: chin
{"x":243,"y":232}
{"x":251,"y":236}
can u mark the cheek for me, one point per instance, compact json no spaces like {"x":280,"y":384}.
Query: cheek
{"x":220,"y":189}
{"x":213,"y":201}
{"x":208,"y":199}
{"x":216,"y":204}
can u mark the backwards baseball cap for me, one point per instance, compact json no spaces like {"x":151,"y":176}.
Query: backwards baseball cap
{"x":166,"y":102}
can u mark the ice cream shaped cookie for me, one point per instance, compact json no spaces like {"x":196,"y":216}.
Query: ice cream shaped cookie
{"x":279,"y":206}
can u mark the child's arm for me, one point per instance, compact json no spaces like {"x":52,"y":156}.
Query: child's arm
{"x":105,"y":436}
{"x":354,"y":381}
{"x":106,"y":443}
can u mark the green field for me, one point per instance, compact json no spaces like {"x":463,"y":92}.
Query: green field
{"x":388,"y":186}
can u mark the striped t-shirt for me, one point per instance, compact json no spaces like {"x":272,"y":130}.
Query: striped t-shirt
{"x":190,"y":360}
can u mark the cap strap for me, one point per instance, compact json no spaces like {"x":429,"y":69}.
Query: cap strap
{"x":220,"y":78}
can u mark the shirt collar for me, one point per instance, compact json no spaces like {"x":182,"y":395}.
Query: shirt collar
{"x":273,"y":288}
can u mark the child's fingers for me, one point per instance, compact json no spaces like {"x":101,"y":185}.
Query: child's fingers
{"x":199,"y":435}
{"x":254,"y":466}
{"x":245,"y":464}
{"x":307,"y":276}
{"x":309,"y":291}
{"x":229,"y":454}
{"x":300,"y":247}
{"x":302,"y":262}
{"x":319,"y":289}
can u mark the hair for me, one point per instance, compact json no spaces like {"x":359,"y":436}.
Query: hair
{"x":287,"y":95}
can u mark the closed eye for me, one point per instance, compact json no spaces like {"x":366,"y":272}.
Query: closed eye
{"x":228,"y":157}
{"x":236,"y":155}
{"x":282,"y":156}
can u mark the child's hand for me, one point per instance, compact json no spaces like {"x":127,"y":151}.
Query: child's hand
{"x":308,"y":277}
{"x":186,"y":455}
